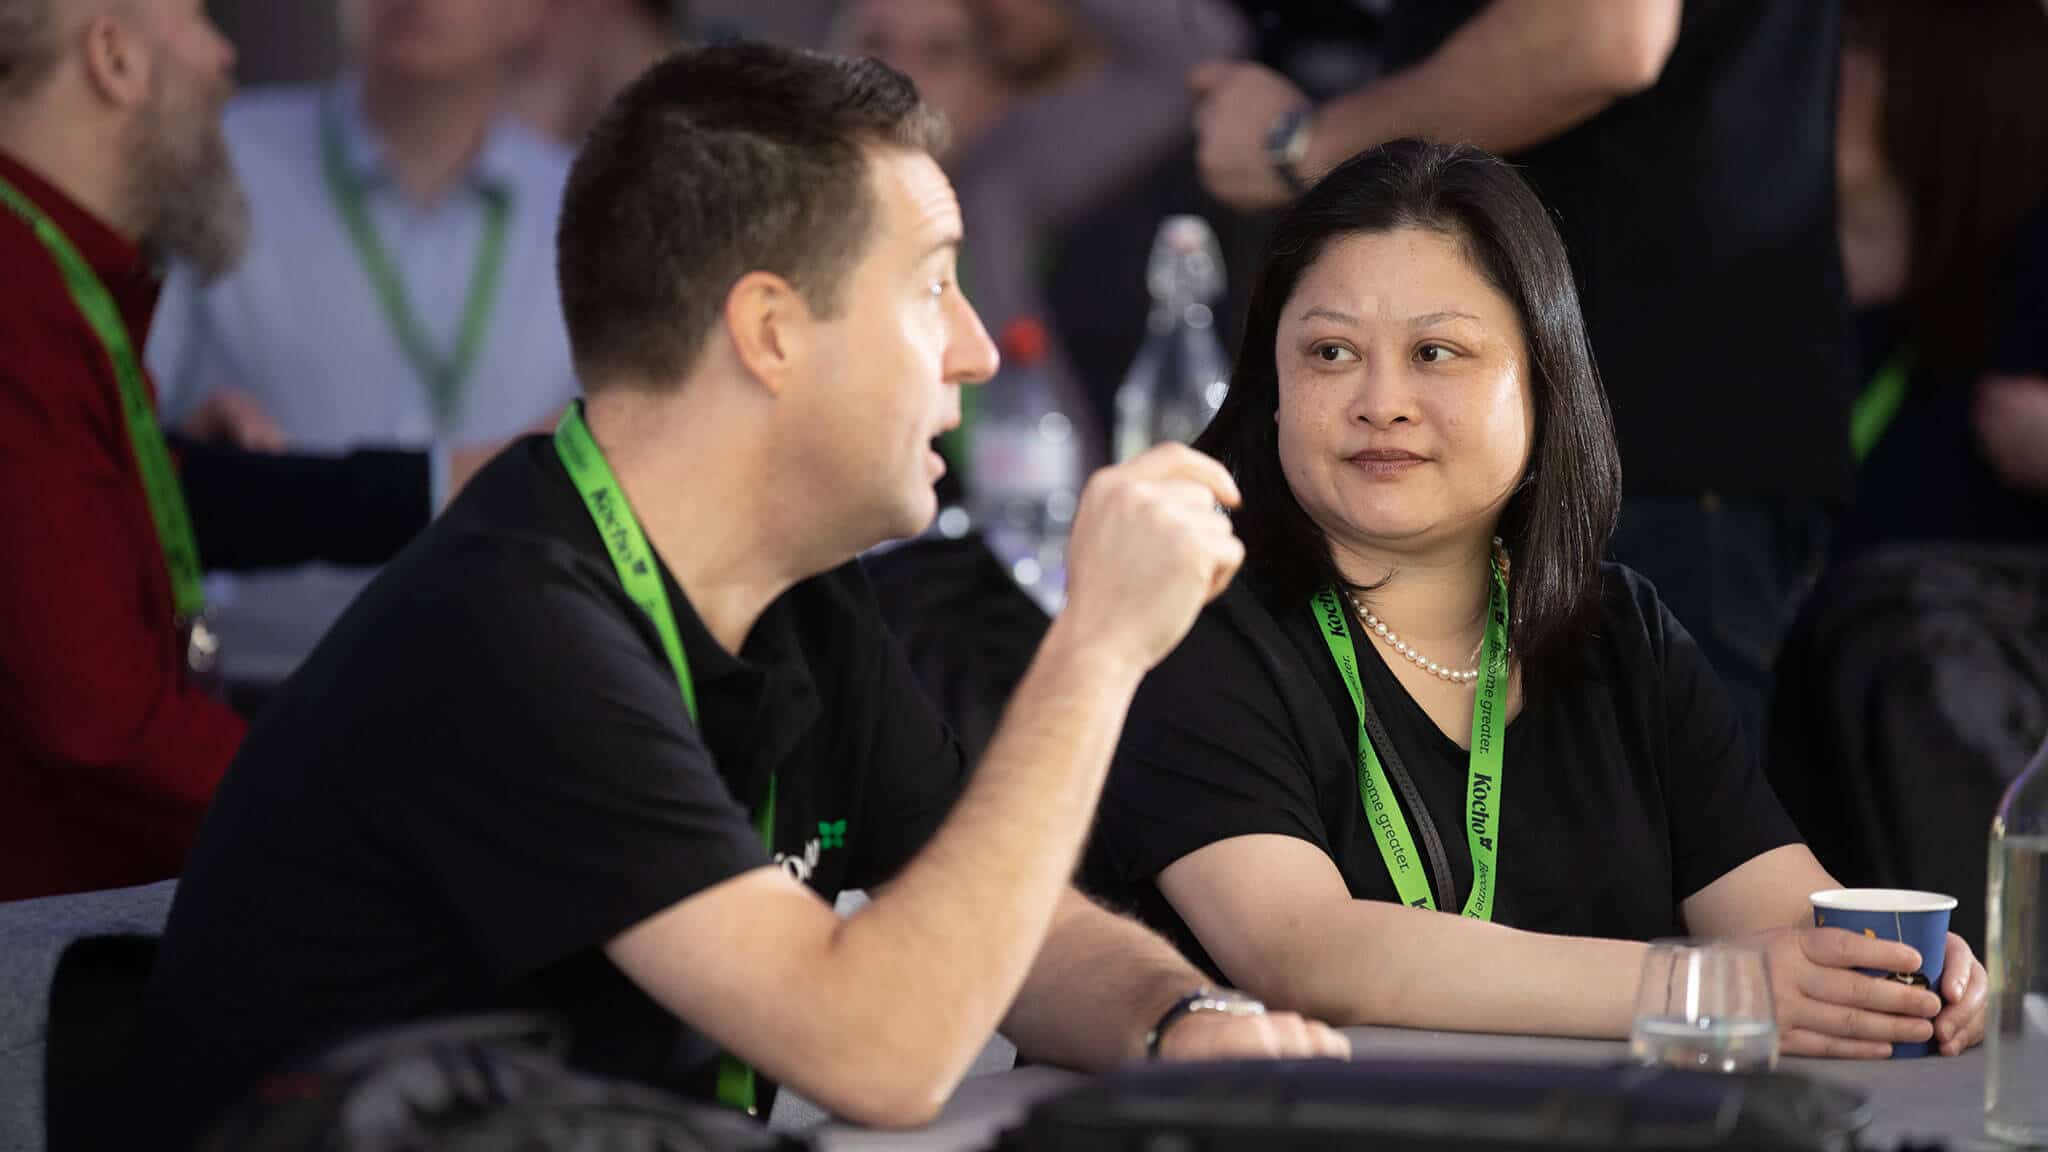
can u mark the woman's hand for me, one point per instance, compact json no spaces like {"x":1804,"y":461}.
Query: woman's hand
{"x":1965,"y":990}
{"x":1827,"y":1008}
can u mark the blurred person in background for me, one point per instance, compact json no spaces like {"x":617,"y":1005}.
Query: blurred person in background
{"x":1097,"y":289}
{"x":1915,"y":682}
{"x":1687,"y":152}
{"x":111,"y":159}
{"x":397,"y":288}
{"x":1941,"y":159}
{"x":1057,"y":105}
{"x":944,"y":47}
{"x":586,"y":52}
{"x":1098,"y":98}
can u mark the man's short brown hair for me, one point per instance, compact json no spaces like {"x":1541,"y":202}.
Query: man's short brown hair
{"x":718,"y":162}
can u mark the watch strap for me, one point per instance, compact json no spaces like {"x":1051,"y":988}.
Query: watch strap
{"x":1287,"y":144}
{"x":1203,"y":999}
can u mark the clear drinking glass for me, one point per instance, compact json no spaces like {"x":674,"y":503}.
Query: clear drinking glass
{"x":2016,"y":949}
{"x":1705,"y":1005}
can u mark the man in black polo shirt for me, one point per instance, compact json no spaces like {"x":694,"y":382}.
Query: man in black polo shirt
{"x":610,"y":737}
{"x":1687,"y":151}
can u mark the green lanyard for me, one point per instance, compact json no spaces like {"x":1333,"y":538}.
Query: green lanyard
{"x":1879,"y":404}
{"x":1483,"y":776}
{"x":443,"y":377}
{"x":641,"y":574}
{"x":145,"y":435}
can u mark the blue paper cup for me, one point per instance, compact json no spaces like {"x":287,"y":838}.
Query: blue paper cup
{"x":1917,"y":919}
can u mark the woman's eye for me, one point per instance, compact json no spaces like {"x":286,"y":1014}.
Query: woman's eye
{"x":1334,"y":354}
{"x":1433,"y":353}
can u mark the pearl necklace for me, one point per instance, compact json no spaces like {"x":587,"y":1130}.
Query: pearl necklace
{"x":1394,"y":641}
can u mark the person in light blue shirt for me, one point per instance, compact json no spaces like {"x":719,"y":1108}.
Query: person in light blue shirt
{"x":399,"y":283}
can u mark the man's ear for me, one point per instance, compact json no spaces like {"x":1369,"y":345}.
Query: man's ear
{"x":771,"y":328}
{"x":117,"y":58}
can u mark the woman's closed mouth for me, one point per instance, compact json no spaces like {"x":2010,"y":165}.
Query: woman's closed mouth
{"x":1387,"y":461}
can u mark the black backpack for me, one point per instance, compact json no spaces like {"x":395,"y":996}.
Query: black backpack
{"x":472,"y":1084}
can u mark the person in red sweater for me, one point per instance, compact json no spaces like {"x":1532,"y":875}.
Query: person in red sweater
{"x":111,"y":159}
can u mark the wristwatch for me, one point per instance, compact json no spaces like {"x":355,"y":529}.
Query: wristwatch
{"x":1227,"y":1001}
{"x":1287,"y":143}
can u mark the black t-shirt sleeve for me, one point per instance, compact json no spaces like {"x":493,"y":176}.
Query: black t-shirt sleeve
{"x":915,"y":767}
{"x":1208,"y":753}
{"x":1722,"y":810}
{"x":579,"y":800}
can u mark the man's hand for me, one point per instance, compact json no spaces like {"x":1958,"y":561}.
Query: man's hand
{"x":1965,"y":991}
{"x":1827,"y":1008}
{"x":1274,"y":1036}
{"x":1149,"y":548}
{"x":234,"y":419}
{"x":1236,"y":104}
{"x":2011,"y":414}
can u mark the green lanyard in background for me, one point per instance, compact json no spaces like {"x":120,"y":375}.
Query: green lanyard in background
{"x":1879,"y":404}
{"x":443,"y":377}
{"x":1483,"y":776}
{"x":640,"y":572}
{"x":145,"y":435}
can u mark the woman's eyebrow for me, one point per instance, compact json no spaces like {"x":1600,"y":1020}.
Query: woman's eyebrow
{"x":1439,"y":317}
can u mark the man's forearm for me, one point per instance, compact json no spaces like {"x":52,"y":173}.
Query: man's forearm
{"x":1517,"y":74}
{"x":957,"y":931}
{"x":1099,"y":984}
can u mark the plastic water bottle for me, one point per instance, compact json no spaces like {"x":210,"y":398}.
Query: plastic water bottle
{"x":1025,"y":470}
{"x":1178,"y":379}
{"x":2016,"y":944}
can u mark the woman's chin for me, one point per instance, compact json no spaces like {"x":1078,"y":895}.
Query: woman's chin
{"x":1386,"y":526}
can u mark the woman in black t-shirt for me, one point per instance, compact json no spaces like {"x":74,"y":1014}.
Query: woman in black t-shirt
{"x":1429,"y":479}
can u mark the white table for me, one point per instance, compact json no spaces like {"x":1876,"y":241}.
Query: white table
{"x":1910,"y":1099}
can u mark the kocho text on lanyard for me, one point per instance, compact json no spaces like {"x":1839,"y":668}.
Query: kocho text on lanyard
{"x":642,"y":578}
{"x":145,"y":435}
{"x":442,"y":376}
{"x":1482,"y":785}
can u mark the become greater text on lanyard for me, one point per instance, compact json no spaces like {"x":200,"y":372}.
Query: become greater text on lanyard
{"x":1483,"y":774}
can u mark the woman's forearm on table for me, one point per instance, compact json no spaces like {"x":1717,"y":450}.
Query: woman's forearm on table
{"x":1376,"y":963}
